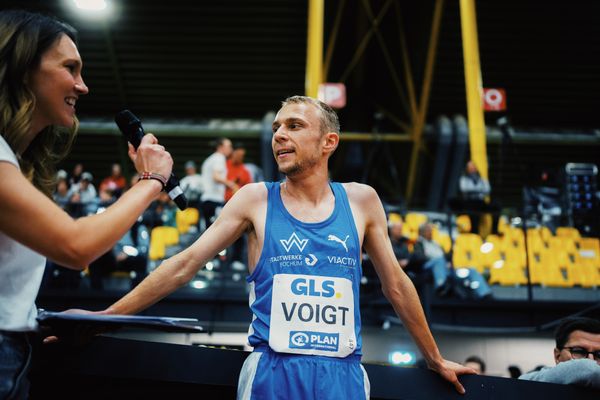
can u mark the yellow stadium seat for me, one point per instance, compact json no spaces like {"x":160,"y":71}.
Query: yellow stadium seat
{"x":160,"y":238}
{"x":505,"y":274}
{"x":443,"y":239}
{"x":463,"y":223}
{"x":157,"y":249}
{"x":186,"y":218}
{"x":581,"y":270}
{"x":569,"y":232}
{"x":544,"y":269}
{"x":394,"y":218}
{"x":415,"y":219}
{"x":589,"y":250}
{"x":467,"y":251}
{"x":491,"y":251}
{"x":502,"y":224}
{"x":513,"y":244}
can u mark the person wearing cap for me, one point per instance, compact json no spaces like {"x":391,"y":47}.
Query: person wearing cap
{"x":83,"y":196}
{"x":191,"y":184}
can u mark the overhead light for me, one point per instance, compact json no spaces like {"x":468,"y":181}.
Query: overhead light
{"x":90,"y":5}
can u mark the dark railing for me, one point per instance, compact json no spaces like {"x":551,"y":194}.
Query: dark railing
{"x":110,"y":368}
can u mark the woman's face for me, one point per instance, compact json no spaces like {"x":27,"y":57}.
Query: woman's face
{"x":57,"y":84}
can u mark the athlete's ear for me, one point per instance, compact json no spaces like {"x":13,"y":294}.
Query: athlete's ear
{"x":330,"y":142}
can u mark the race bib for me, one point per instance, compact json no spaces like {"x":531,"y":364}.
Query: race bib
{"x":312,"y":315}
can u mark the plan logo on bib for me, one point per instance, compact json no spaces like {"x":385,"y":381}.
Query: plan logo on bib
{"x":293,"y":240}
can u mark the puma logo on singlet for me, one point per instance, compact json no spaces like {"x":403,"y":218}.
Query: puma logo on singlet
{"x":340,"y":241}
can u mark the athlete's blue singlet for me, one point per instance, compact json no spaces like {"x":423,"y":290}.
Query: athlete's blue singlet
{"x":304,"y":296}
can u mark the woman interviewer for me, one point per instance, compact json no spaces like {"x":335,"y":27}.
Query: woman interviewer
{"x":40,"y":83}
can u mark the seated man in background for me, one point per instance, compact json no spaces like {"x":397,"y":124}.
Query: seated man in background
{"x":129,"y":254}
{"x":577,"y":355}
{"x":429,"y":256}
{"x":399,"y":241}
{"x":475,"y":363}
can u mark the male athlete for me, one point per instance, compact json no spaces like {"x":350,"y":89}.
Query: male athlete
{"x":305,"y":236}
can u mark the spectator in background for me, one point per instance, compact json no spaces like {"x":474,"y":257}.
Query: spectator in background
{"x":162,"y":212}
{"x":237,"y":173}
{"x":472,"y":185}
{"x":577,"y":355}
{"x":514,"y":371}
{"x":429,"y":256}
{"x":115,"y":182}
{"x":129,"y":254}
{"x":214,"y":178}
{"x":475,"y":363}
{"x":399,"y":241}
{"x":83,"y":196}
{"x":474,"y":192}
{"x":105,"y":199}
{"x":191,"y":184}
{"x":76,"y":174}
{"x":61,"y":194}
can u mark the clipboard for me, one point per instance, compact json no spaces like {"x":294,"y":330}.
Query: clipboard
{"x":62,"y":322}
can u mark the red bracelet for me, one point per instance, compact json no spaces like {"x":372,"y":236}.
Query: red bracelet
{"x":155,"y":176}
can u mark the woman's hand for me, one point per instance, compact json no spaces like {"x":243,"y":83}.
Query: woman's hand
{"x":151,"y":157}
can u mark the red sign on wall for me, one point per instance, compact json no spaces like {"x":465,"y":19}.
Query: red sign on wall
{"x":494,"y":99}
{"x":333,"y":94}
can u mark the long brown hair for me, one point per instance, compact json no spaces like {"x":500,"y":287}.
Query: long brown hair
{"x":24,"y":38}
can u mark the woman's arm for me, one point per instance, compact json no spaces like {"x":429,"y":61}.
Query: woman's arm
{"x":29,"y":217}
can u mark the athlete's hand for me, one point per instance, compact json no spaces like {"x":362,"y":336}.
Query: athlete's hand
{"x":450,"y":371}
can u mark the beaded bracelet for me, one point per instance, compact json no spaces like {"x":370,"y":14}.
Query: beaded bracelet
{"x":152,"y":175}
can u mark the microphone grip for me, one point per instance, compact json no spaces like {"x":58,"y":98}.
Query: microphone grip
{"x":175,"y":193}
{"x":131,"y":128}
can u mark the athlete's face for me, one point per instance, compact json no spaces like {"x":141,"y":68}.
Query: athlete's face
{"x":297,"y":138}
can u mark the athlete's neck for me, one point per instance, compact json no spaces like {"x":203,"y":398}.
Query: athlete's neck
{"x":313,"y":189}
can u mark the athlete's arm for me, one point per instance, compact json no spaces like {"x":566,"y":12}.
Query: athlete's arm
{"x":396,"y":285}
{"x":236,"y":217}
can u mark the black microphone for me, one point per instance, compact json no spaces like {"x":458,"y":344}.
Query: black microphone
{"x":131,"y":128}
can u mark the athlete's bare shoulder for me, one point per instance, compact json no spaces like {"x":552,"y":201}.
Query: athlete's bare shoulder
{"x":249,"y":199}
{"x":253,"y":191}
{"x":361,"y":194}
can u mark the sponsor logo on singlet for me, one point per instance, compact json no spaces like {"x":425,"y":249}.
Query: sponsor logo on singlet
{"x":293,"y":240}
{"x":334,"y":238}
{"x":314,"y":340}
